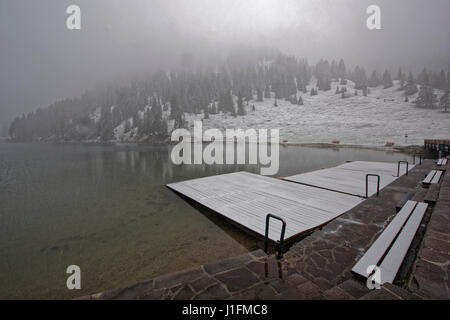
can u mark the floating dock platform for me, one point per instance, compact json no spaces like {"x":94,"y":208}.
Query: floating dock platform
{"x":247,"y":199}
{"x":306,"y":201}
{"x":350,"y":178}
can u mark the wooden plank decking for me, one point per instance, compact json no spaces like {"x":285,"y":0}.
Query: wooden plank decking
{"x":315,"y":198}
{"x":350,"y":178}
{"x":247,"y":199}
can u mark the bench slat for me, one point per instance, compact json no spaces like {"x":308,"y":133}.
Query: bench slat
{"x":379,"y":247}
{"x":440,"y":161}
{"x":437,"y":177}
{"x":393,"y":260}
{"x":429,"y":177}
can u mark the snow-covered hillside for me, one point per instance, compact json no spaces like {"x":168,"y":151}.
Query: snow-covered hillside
{"x":358,"y":120}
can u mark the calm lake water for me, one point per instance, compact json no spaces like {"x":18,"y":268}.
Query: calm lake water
{"x":106,"y":209}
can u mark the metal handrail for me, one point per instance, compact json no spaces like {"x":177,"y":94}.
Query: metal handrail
{"x":283,"y":231}
{"x":420,"y":158}
{"x":398,"y":168}
{"x":367,"y":184}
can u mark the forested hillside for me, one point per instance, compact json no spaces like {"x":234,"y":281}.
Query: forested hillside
{"x":149,"y":110}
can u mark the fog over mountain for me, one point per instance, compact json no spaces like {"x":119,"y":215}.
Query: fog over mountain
{"x":42,"y":61}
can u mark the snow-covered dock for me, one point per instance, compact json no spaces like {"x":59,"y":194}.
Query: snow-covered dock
{"x":350,"y":178}
{"x":305,"y":201}
{"x":247,"y":199}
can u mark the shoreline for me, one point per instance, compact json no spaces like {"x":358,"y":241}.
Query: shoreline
{"x":407,"y":149}
{"x":318,"y":266}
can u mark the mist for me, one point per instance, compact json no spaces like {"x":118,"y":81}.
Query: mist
{"x":41,"y":61}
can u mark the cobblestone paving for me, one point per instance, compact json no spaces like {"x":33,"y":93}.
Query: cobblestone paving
{"x":319,"y":266}
{"x":431,"y":275}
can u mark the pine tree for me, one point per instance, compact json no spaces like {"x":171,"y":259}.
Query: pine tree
{"x":374,"y":80}
{"x":342,"y":70}
{"x":106,"y":125}
{"x":294,"y":99}
{"x":424,"y":78}
{"x":359,"y":78}
{"x":444,"y":102}
{"x":291,"y":87}
{"x":447,"y":86}
{"x":323,"y":84}
{"x":213,"y":107}
{"x":365,"y":89}
{"x":401,"y":78}
{"x":240,"y":106}
{"x":427,"y":97}
{"x":300,"y":101}
{"x":267,"y":92}
{"x":387,"y":80}
{"x":305,"y":90}
{"x":176,"y":113}
{"x":275,"y":104}
{"x":299,"y":84}
{"x":442,"y":80}
{"x":226,"y":103}
{"x":259,"y":95}
{"x":157,"y":124}
{"x":410,"y":87}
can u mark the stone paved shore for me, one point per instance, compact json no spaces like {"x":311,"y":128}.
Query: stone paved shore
{"x":319,"y":266}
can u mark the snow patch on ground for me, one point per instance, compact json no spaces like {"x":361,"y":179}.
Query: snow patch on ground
{"x":373,"y":120}
{"x":122,"y":131}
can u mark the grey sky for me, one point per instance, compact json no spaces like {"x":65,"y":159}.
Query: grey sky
{"x":41,"y":61}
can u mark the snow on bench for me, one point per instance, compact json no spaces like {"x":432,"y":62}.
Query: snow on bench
{"x":433,"y":177}
{"x":389,"y":250}
{"x":442,"y":162}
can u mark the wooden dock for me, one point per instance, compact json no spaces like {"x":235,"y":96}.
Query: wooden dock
{"x":436,"y":145}
{"x":306,"y":201}
{"x":247,"y":199}
{"x":350,"y":178}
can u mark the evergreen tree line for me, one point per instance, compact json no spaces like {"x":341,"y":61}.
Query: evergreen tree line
{"x":146,"y":108}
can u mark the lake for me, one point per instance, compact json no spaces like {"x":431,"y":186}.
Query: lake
{"x":107,"y":210}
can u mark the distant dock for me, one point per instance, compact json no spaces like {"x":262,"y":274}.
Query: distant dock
{"x":437,"y":145}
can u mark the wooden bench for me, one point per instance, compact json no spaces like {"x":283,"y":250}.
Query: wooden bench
{"x":433,"y":177}
{"x":391,"y":247}
{"x":442,"y":162}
